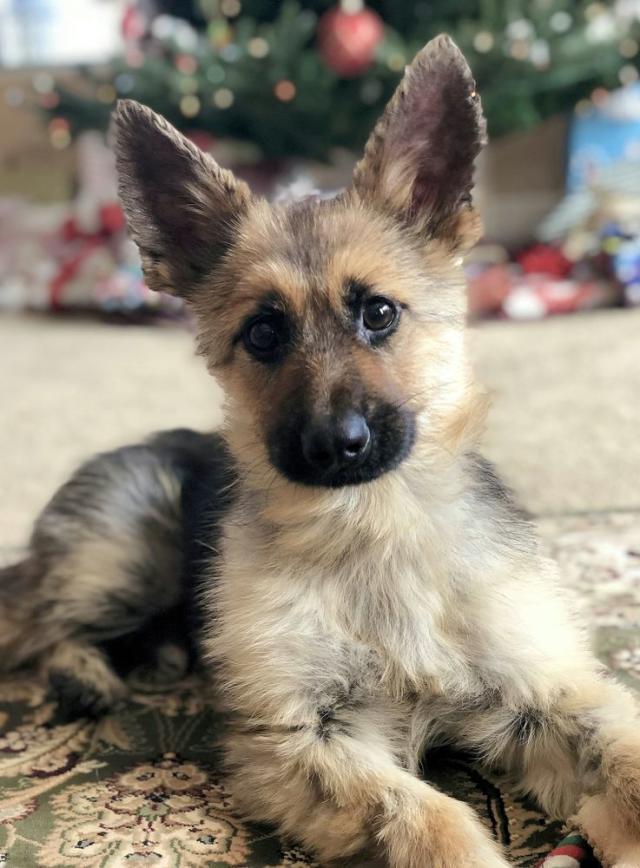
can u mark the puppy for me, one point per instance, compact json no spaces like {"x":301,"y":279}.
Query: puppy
{"x":365,"y":588}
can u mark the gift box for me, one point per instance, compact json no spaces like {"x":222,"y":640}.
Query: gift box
{"x":606,"y":133}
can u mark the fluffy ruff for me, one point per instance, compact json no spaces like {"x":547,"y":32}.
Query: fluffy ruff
{"x":337,"y":678}
{"x":352,"y":623}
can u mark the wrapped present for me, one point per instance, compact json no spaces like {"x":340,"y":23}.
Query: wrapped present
{"x":545,"y":259}
{"x":606,"y":133}
{"x":76,"y":255}
{"x":535,"y":296}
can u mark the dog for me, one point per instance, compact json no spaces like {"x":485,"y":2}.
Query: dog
{"x":353,"y":574}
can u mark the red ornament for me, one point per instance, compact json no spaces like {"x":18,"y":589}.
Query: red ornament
{"x":133,"y":25}
{"x":347,"y":40}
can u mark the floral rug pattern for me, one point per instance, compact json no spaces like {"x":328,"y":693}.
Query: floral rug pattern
{"x":142,"y":786}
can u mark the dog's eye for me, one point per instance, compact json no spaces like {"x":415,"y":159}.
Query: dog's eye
{"x":262,"y":337}
{"x":378,"y":314}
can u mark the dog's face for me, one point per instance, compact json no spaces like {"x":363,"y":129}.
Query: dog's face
{"x":334,"y":325}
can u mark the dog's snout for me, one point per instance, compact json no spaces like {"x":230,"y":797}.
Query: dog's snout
{"x":335,"y":442}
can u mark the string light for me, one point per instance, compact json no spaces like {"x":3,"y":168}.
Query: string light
{"x":396,"y":61}
{"x":593,"y":10}
{"x":124,"y":82}
{"x":209,"y":7}
{"x":483,"y":41}
{"x":186,"y":63}
{"x":43,"y":82}
{"x":188,"y":84}
{"x":230,"y":8}
{"x":106,"y":93}
{"x":59,"y":134}
{"x":519,"y":49}
{"x":162,"y":27}
{"x":216,"y":74}
{"x":599,"y":96}
{"x":560,"y":21}
{"x":219,"y":33}
{"x":628,"y":47}
{"x":540,"y":54}
{"x":628,"y":74}
{"x":223,"y":98}
{"x":14,"y":96}
{"x":520,"y":29}
{"x":49,"y":100}
{"x":258,"y":47}
{"x":285,"y":90}
{"x":231,"y":52}
{"x":190,"y":105}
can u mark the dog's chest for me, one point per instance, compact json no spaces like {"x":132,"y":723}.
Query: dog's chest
{"x":396,"y":618}
{"x":410,"y":623}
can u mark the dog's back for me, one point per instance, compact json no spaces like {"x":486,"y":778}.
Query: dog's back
{"x":112,"y":565}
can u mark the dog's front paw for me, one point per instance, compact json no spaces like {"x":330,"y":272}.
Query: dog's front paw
{"x":74,"y":698}
{"x":443,"y":833}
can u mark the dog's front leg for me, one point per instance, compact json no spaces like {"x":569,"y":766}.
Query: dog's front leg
{"x":577,"y":751}
{"x":334,"y":783}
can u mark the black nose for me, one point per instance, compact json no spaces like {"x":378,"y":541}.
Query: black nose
{"x":335,"y":442}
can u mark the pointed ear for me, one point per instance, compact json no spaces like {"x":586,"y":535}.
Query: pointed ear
{"x":418,"y":162}
{"x":181,"y":207}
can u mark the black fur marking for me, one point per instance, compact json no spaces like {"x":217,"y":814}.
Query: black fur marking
{"x":140,"y":647}
{"x":329,"y":724}
{"x":392,"y":432}
{"x":528,"y":724}
{"x":515,"y":523}
{"x":75,"y":699}
{"x":207,"y":475}
{"x":356,"y":292}
{"x":165,"y":498}
{"x":492,"y":487}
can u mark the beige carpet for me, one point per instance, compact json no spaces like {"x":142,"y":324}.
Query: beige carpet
{"x":564,"y":430}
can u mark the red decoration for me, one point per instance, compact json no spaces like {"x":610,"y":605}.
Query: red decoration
{"x":111,"y":218}
{"x":488,"y":288}
{"x":347,"y":41}
{"x":544,"y":259}
{"x":80,"y":245}
{"x":133,"y":25}
{"x":534,"y":296}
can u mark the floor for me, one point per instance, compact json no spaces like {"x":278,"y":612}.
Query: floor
{"x":564,"y":432}
{"x":564,"y":428}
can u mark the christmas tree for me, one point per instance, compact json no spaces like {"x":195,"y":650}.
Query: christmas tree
{"x":300,"y":78}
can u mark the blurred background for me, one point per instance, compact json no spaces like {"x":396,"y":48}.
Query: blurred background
{"x":285,"y":93}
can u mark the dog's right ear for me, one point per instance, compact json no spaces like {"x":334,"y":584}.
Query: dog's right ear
{"x":182,"y":208}
{"x":418,"y":163}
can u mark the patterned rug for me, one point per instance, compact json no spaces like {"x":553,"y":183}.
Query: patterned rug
{"x":142,"y":786}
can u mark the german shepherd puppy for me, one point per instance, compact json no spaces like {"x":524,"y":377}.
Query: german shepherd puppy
{"x":365,"y":587}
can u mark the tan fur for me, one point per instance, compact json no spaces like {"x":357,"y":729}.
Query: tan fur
{"x":405,"y":586}
{"x":353,"y":628}
{"x":393,"y":159}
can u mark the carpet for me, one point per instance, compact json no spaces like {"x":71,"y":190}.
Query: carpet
{"x":563,"y":426}
{"x":143,"y":786}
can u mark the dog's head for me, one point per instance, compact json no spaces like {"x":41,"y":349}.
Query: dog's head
{"x":335,"y":326}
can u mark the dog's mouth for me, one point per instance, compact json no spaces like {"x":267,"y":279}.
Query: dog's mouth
{"x":347,"y":450}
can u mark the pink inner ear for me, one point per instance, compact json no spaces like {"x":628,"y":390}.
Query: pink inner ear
{"x":437,"y":133}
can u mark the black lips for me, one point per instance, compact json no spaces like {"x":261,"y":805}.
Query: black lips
{"x":344,"y":449}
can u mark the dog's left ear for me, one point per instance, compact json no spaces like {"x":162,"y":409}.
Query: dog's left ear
{"x":418,"y":162}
